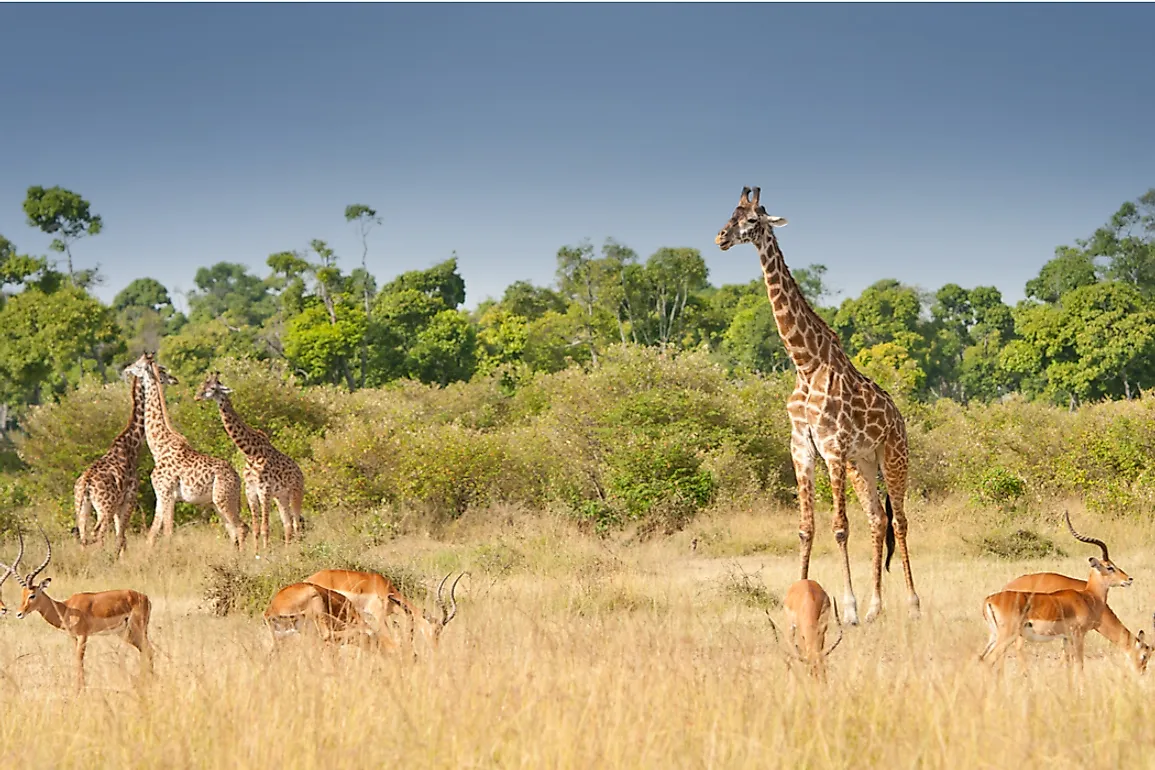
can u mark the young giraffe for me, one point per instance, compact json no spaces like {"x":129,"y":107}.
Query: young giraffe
{"x":109,"y":485}
{"x":835,"y":411}
{"x":181,"y":472}
{"x":269,"y":475}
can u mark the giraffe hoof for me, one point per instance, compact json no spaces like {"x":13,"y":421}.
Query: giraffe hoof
{"x":914,"y":610}
{"x":849,"y":612}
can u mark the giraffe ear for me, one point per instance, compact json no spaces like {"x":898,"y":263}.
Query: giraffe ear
{"x":778,"y":221}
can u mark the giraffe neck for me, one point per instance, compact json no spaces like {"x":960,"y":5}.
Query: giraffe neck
{"x":249,"y":441}
{"x":158,"y":431}
{"x":809,"y":341}
{"x":132,"y":437}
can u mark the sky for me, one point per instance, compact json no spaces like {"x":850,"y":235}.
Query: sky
{"x":928,"y":143}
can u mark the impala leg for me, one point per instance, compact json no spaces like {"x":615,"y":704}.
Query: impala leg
{"x":81,"y":644}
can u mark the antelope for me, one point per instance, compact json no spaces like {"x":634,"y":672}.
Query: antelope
{"x":1109,"y":626}
{"x":333,"y":616}
{"x":808,"y":610}
{"x":1067,"y":614}
{"x":375,"y":595}
{"x":82,"y":615}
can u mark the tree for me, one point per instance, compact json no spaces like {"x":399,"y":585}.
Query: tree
{"x":752,"y":339}
{"x":531,"y":302}
{"x":1127,"y":242}
{"x":1070,"y":269}
{"x":445,"y":350}
{"x":228,"y":291}
{"x":17,"y":269}
{"x":1099,"y":340}
{"x":64,"y":214}
{"x":145,"y":312}
{"x":671,"y":276}
{"x":364,"y":218}
{"x":886,"y":311}
{"x":50,"y":339}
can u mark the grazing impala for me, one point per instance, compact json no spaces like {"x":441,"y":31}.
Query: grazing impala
{"x":1109,"y":624}
{"x":809,"y":610}
{"x":1067,"y":614}
{"x":125,"y":613}
{"x":376,"y":596}
{"x":334,"y":617}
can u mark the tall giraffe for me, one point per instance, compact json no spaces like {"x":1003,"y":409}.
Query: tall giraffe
{"x":269,"y":475}
{"x":835,"y":411}
{"x":109,"y":485}
{"x":181,"y":472}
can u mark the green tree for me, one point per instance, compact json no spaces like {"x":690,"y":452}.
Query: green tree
{"x":1070,"y":269}
{"x":1127,"y":243}
{"x":671,"y":276}
{"x":50,"y":340}
{"x":63,"y":214}
{"x":228,"y":291}
{"x":445,"y":350}
{"x":531,"y":302}
{"x":145,"y":312}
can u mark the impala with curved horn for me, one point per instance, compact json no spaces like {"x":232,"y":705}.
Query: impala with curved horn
{"x":1136,"y":650}
{"x":1067,"y":614}
{"x":124,"y":612}
{"x":375,"y":595}
{"x":808,"y":610}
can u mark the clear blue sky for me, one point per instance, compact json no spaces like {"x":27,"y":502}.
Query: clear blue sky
{"x":928,"y":143}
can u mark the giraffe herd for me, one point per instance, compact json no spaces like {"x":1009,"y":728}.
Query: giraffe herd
{"x":836,"y":413}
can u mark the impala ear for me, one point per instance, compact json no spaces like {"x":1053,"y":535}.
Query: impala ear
{"x":1095,"y":563}
{"x":43,"y":584}
{"x":1140,"y":636}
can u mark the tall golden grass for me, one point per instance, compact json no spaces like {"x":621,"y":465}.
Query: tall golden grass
{"x":573,"y":652}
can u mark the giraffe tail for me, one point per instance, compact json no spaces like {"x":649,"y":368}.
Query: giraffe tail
{"x":889,"y":532}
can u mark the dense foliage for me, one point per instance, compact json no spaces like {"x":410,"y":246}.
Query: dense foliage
{"x":630,"y":390}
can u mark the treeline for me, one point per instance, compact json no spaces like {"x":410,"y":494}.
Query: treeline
{"x":1085,"y":332}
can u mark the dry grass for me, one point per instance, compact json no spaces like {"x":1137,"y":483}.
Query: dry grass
{"x":569,"y":652}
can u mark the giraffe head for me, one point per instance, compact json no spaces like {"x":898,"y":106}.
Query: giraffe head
{"x":143,"y":368}
{"x":748,"y":221}
{"x":212,"y":388}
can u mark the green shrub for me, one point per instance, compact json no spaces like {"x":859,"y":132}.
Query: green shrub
{"x":999,"y":486}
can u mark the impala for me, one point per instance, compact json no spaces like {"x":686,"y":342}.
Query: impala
{"x":376,"y":596}
{"x":123,"y":612}
{"x":1109,"y":624}
{"x":1067,"y":614}
{"x":296,"y":607}
{"x":808,"y":611}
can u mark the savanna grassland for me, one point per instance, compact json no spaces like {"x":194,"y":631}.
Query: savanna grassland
{"x":574,"y":650}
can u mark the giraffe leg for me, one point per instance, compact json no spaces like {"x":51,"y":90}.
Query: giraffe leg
{"x":120,"y":524}
{"x":264,"y":531}
{"x":253,"y":499}
{"x":101,"y":508}
{"x":165,"y":503}
{"x":284,"y":503}
{"x":836,"y":465}
{"x":296,"y":501}
{"x":83,"y":509}
{"x":894,"y":471}
{"x":864,"y":479}
{"x":802,"y":451}
{"x":227,"y":501}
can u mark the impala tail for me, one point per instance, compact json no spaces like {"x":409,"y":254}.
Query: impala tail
{"x":889,"y":531}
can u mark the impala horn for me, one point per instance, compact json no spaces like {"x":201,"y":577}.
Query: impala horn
{"x":31,"y":579}
{"x":1085,"y":539}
